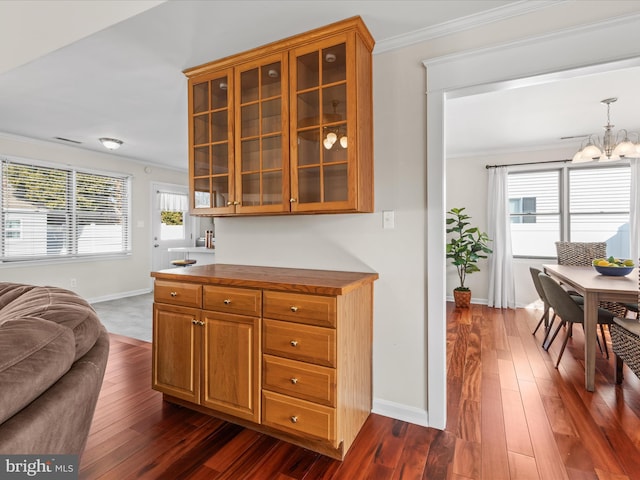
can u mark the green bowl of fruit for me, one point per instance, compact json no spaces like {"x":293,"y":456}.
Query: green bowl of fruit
{"x":613,"y":267}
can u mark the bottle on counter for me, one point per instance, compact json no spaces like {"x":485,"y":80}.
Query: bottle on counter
{"x":208,"y":239}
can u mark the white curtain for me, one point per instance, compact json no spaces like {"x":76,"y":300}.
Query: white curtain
{"x":501,"y":285}
{"x":634,"y":220}
{"x":173,"y":202}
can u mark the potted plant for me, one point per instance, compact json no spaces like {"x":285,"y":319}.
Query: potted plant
{"x":465,"y":247}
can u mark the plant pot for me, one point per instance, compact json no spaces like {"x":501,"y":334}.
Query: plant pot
{"x":462,"y":298}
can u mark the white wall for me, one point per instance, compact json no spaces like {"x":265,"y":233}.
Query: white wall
{"x":96,"y":280}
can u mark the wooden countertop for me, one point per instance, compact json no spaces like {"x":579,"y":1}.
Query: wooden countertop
{"x":322,"y":282}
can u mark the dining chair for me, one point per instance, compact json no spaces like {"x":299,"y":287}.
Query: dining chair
{"x":625,"y":341}
{"x":576,"y":298}
{"x":545,"y":315}
{"x":580,"y":254}
{"x":568,"y":310}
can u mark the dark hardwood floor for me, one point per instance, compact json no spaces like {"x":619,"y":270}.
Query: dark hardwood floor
{"x":511,"y":415}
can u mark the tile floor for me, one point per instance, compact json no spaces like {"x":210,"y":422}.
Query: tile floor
{"x":130,"y":316}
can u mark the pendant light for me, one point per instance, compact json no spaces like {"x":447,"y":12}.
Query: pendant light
{"x":612,"y":146}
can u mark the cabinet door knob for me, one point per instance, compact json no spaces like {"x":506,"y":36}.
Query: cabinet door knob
{"x":229,"y":204}
{"x":201,"y":323}
{"x":174,"y":294}
{"x":226,"y":301}
{"x":294,"y":308}
{"x":236,"y":203}
{"x":195,"y":322}
{"x":292,"y":200}
{"x":294,"y":419}
{"x":294,"y":343}
{"x":294,"y":380}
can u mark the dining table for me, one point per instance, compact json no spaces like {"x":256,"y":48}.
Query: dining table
{"x":594,"y":287}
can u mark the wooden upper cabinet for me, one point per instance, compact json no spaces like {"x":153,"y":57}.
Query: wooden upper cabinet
{"x":331,"y":123}
{"x":262,"y":136}
{"x":299,"y":126}
{"x":211,"y":166}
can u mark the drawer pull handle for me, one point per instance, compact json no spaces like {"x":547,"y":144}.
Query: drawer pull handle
{"x":294,"y":309}
{"x":174,"y":294}
{"x":294,"y":343}
{"x":226,"y":301}
{"x":294,"y":380}
{"x":294,"y":419}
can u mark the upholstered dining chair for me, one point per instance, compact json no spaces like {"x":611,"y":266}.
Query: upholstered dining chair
{"x":536,"y":283}
{"x":568,"y":310}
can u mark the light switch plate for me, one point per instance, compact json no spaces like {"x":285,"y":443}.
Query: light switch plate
{"x":388,"y":219}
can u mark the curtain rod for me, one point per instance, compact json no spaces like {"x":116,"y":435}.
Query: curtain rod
{"x":527,"y":163}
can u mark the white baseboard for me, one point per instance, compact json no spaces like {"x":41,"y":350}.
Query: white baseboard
{"x":402,"y":412}
{"x":117,"y":296}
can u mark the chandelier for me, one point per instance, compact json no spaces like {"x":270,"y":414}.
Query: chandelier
{"x":612,"y":146}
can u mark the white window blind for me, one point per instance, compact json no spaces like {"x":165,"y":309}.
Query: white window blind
{"x":599,"y":207}
{"x":50,"y":212}
{"x":534,"y":199}
{"x":570,"y":204}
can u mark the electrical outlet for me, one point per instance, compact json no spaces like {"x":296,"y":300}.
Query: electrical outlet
{"x":74,"y":283}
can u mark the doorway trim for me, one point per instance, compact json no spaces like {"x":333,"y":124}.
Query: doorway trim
{"x":546,"y":58}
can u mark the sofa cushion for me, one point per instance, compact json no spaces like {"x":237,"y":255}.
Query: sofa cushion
{"x":52,"y":304}
{"x":33,"y":349}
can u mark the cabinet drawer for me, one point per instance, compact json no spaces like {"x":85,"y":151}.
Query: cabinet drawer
{"x":177,"y":293}
{"x":298,"y":416}
{"x":300,"y":380}
{"x":300,"y":342}
{"x":296,"y":307}
{"x":242,"y":301}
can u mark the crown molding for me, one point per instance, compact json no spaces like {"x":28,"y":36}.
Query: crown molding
{"x":464,"y":23}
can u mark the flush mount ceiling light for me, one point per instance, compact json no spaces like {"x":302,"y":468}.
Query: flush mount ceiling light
{"x":612,"y":146}
{"x":111,"y":143}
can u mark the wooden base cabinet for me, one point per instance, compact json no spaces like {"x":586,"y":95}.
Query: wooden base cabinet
{"x":283,"y":351}
{"x":207,"y":357}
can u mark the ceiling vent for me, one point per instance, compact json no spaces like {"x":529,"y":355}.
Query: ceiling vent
{"x":62,"y":139}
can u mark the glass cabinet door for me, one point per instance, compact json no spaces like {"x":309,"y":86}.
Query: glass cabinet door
{"x":212,"y":146}
{"x":262,"y":148}
{"x":320,"y":162}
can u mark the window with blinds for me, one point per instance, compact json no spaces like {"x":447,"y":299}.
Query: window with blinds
{"x":570,"y":204}
{"x":50,"y":212}
{"x":599,"y":204}
{"x":534,"y":203}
